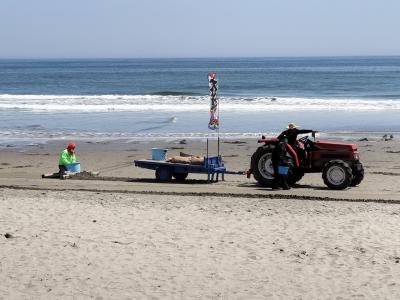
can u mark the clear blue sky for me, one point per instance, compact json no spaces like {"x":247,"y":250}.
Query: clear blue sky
{"x":190,"y":28}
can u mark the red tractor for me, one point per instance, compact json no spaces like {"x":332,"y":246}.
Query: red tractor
{"x":339,"y":163}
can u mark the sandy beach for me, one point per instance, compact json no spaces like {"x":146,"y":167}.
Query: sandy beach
{"x":134,"y":238}
{"x":206,"y":81}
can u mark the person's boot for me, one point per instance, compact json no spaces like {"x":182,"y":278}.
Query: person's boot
{"x":285,"y":185}
{"x":275,"y":185}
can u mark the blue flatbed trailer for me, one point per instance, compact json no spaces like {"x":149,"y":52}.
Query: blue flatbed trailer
{"x":212,"y":166}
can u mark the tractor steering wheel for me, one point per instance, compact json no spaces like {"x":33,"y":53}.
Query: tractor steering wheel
{"x":303,"y":139}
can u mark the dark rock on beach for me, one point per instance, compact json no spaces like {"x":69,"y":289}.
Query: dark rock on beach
{"x":8,"y":236}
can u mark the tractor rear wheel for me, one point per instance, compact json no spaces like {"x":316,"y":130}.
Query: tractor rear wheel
{"x":295,"y":176}
{"x":261,"y":166}
{"x":337,"y":175}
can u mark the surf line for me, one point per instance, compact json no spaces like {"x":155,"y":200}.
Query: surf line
{"x":207,"y":194}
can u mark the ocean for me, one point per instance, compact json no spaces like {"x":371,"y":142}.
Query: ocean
{"x":154,"y":99}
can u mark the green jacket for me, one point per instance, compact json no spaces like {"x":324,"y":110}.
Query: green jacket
{"x":66,"y":158}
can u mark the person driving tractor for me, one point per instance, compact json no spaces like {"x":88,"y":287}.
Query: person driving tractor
{"x":291,"y":133}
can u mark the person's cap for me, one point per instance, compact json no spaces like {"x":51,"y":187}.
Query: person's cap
{"x":292,"y":126}
{"x":71,"y":146}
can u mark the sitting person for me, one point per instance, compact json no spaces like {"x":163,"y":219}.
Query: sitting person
{"x":67,"y":156}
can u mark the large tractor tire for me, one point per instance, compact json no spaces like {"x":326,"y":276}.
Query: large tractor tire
{"x":337,"y":175}
{"x":261,"y":166}
{"x":295,"y":176}
{"x":358,"y":175}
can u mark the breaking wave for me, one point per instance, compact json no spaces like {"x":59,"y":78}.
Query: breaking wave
{"x":173,"y":93}
{"x":182,"y":103}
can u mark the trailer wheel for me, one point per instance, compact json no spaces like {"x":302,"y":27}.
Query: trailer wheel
{"x":163,"y":174}
{"x":180,"y":176}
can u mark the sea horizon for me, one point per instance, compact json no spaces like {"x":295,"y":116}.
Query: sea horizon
{"x":205,"y":57}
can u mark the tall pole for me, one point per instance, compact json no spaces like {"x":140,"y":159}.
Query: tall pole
{"x":218,"y":127}
{"x":218,"y":138}
{"x":214,"y":109}
{"x":207,"y":151}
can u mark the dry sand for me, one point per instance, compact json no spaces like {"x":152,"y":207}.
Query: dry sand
{"x":227,"y":240}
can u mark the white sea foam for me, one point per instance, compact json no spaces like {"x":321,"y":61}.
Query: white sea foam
{"x":23,"y":137}
{"x":120,"y":103}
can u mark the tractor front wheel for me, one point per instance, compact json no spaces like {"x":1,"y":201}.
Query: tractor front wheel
{"x":358,"y":174}
{"x":337,"y":175}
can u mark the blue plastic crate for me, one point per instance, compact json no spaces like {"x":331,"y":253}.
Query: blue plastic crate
{"x":158,"y":154}
{"x":74,"y":167}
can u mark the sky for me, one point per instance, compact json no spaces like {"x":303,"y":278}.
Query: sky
{"x":190,"y":28}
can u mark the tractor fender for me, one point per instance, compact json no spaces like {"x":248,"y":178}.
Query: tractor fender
{"x":294,"y":155}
